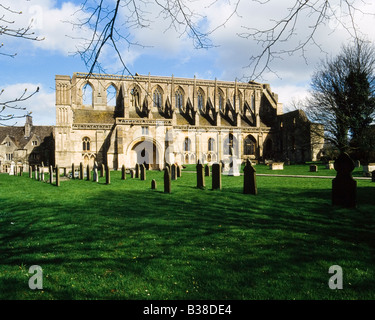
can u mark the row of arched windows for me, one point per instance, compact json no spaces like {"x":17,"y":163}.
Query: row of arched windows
{"x":249,"y":145}
{"x":157,"y":97}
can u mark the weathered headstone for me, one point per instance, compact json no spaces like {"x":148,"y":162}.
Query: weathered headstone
{"x":142,"y":168}
{"x":30,"y":172}
{"x":81,"y":171}
{"x":167,"y":180}
{"x":153,"y":184}
{"x":50,"y":174}
{"x":136,"y":170}
{"x":313,"y":168}
{"x":57,"y":176}
{"x":107,"y":176}
{"x":73,"y":171}
{"x":200,"y":175}
{"x":249,"y":182}
{"x":88,"y":173}
{"x":132,"y":173}
{"x":330,"y":165}
{"x":11,"y":172}
{"x":36,"y":172}
{"x":206,"y":170}
{"x":41,"y":176}
{"x":277,"y":166}
{"x":173,"y":171}
{"x":344,"y":187}
{"x":123,"y":172}
{"x":178,"y":171}
{"x":216,"y":176}
{"x":95,"y":174}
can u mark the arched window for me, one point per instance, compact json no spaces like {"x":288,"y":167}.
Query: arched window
{"x":200,"y":100}
{"x":211,"y":144}
{"x":179,"y":98}
{"x":135,"y":97}
{"x":87,"y":94}
{"x":86,"y":144}
{"x":157,"y":97}
{"x":111,"y":95}
{"x":187,"y":144}
{"x":249,"y":145}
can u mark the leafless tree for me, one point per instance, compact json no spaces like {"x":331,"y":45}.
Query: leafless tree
{"x":282,"y":38}
{"x":9,"y":107}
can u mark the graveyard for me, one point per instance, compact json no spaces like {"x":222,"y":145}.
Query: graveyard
{"x":126,"y":238}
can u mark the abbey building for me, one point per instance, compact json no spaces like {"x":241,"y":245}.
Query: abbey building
{"x":121,"y":120}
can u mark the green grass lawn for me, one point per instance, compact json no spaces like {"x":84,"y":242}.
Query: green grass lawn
{"x":126,"y":241}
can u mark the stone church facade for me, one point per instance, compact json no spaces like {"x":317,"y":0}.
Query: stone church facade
{"x":121,"y":120}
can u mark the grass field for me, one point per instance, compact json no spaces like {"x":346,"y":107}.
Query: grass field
{"x":126,"y":241}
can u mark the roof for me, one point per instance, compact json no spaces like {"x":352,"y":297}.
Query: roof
{"x":17,"y":134}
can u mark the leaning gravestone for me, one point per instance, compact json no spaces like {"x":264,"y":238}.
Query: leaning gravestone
{"x":344,"y":187}
{"x":153,"y":184}
{"x":167,"y":180}
{"x":123,"y":172}
{"x":206,"y":170}
{"x":143,"y":171}
{"x":200,"y":175}
{"x":216,"y":176}
{"x":249,"y":182}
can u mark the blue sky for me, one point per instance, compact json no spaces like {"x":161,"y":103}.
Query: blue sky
{"x":166,"y":52}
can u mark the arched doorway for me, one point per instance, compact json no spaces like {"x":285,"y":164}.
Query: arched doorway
{"x":146,"y":153}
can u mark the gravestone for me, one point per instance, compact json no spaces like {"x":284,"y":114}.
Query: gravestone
{"x":373,"y":176}
{"x":173,"y":171}
{"x":123,"y":172}
{"x":36,"y":172}
{"x":249,"y":182}
{"x":277,"y":166}
{"x":313,"y":168}
{"x":88,"y":173}
{"x":81,"y":171}
{"x":357,"y":163}
{"x":107,"y":176}
{"x":41,"y":175}
{"x":216,"y":176}
{"x":206,"y":170}
{"x":142,"y":168}
{"x":73,"y":171}
{"x":57,"y":176}
{"x":136,"y":170}
{"x":21,"y":171}
{"x":330,"y":165}
{"x":200,"y":175}
{"x":95,"y":174}
{"x":178,"y":171}
{"x":30,"y":172}
{"x":132,"y":173}
{"x":153,"y":184}
{"x":167,"y":180}
{"x":344,"y":187}
{"x":11,"y":172}
{"x":50,"y":174}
